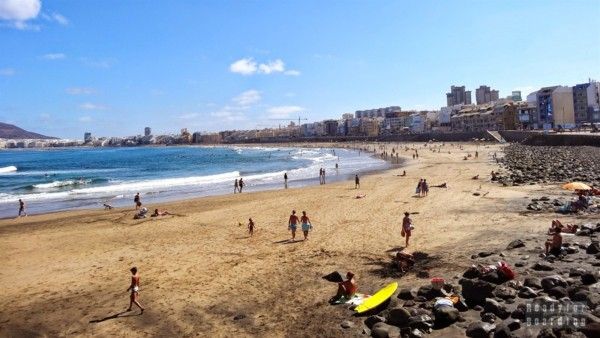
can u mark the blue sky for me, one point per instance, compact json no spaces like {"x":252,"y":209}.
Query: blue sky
{"x":114,"y":67}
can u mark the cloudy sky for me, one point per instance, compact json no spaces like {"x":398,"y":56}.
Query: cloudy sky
{"x":114,"y":67}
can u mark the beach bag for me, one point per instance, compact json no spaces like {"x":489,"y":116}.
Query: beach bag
{"x":402,"y":233}
{"x":506,"y":270}
{"x":437,"y":283}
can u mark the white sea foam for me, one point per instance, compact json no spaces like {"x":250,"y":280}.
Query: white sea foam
{"x":9,"y":169}
{"x":60,"y":184}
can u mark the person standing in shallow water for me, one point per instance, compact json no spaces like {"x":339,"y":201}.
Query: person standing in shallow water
{"x":285,"y":178}
{"x":235,"y":186}
{"x":241,"y":185}
{"x":135,"y":290}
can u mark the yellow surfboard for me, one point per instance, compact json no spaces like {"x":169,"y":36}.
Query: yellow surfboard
{"x":378,"y":298}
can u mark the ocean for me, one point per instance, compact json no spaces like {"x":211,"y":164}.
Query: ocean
{"x":71,"y":178}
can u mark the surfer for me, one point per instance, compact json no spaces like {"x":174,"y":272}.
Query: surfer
{"x":136,"y":201}
{"x":135,"y":289}
{"x":347,"y":288}
{"x":293,"y":224}
{"x":306,"y":225}
{"x":356,"y":182}
{"x":250,"y":227}
{"x":406,"y":227}
{"x":21,"y":208}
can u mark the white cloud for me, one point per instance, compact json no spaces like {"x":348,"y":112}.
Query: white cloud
{"x":244,"y":66}
{"x":19,"y":11}
{"x":248,"y":66}
{"x":283,"y":111}
{"x":247,"y":98}
{"x":59,"y":18}
{"x":292,"y":72}
{"x":80,"y":91}
{"x":228,"y":116}
{"x":85,"y":119}
{"x":54,"y":56}
{"x":276,"y":66}
{"x":91,"y":106}
{"x":7,"y":72}
{"x":188,"y":116}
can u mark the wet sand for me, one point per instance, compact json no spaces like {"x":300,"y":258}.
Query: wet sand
{"x":66,"y":274}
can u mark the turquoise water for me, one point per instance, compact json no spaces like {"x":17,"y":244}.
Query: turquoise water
{"x":62,"y":179}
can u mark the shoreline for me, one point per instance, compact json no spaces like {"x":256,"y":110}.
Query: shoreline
{"x":200,"y":269}
{"x":173,"y":198}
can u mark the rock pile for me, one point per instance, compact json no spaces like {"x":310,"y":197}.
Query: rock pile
{"x":531,"y":164}
{"x":494,"y":305}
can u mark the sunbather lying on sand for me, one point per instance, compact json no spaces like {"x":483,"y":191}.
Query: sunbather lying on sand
{"x":160,"y":213}
{"x":569,"y":228}
{"x":404,"y":261}
{"x":476,"y":177}
{"x":361,"y":196}
{"x":443,"y":185}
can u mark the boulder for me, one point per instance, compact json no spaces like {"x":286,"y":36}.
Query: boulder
{"x":380,"y":330}
{"x":557,"y":292}
{"x":398,"y":317}
{"x":532,"y":282}
{"x":527,"y":292}
{"x":346,"y":324}
{"x":493,"y":306}
{"x":480,"y":330}
{"x":372,"y":320}
{"x":406,"y":294}
{"x":550,"y":282}
{"x":591,"y":330}
{"x":517,"y":243}
{"x":504,"y":292}
{"x":421,"y":322}
{"x":589,"y":278}
{"x":429,"y":292}
{"x":445,"y":316}
{"x":472,"y":272}
{"x":485,"y":254}
{"x":488,"y":317}
{"x":476,"y":291}
{"x":542,"y":266}
{"x":593,"y":248}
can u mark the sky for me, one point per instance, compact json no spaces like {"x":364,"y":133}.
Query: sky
{"x":113,"y":67}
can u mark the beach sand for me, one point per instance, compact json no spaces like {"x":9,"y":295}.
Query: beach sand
{"x":66,"y":274}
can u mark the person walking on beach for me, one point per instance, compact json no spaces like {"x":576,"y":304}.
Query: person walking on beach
{"x":21,"y":208}
{"x":418,"y":190}
{"x":406,"y":228}
{"x":136,"y":201}
{"x":293,"y":224}
{"x":241,"y":185}
{"x":235,"y":186}
{"x":250,"y":227}
{"x":285,"y":178}
{"x":306,"y":225}
{"x":356,"y":182}
{"x":135,"y":290}
{"x":424,"y":187}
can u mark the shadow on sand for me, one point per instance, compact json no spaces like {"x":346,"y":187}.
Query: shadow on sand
{"x":288,"y":241}
{"x":115,"y":316}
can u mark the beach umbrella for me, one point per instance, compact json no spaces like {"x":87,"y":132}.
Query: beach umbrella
{"x":576,"y":186}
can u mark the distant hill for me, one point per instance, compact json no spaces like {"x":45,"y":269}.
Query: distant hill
{"x":9,"y":131}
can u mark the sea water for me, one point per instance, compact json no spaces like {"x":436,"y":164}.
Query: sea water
{"x":71,"y":178}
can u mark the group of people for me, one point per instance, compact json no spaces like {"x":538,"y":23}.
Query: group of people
{"x":321,"y":176}
{"x":293,"y":222}
{"x":422,"y":188}
{"x":238,"y":185}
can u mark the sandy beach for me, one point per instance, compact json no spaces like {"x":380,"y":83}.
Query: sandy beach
{"x":66,"y":274}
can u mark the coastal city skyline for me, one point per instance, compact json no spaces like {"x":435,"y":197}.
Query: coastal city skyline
{"x":64,"y":76}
